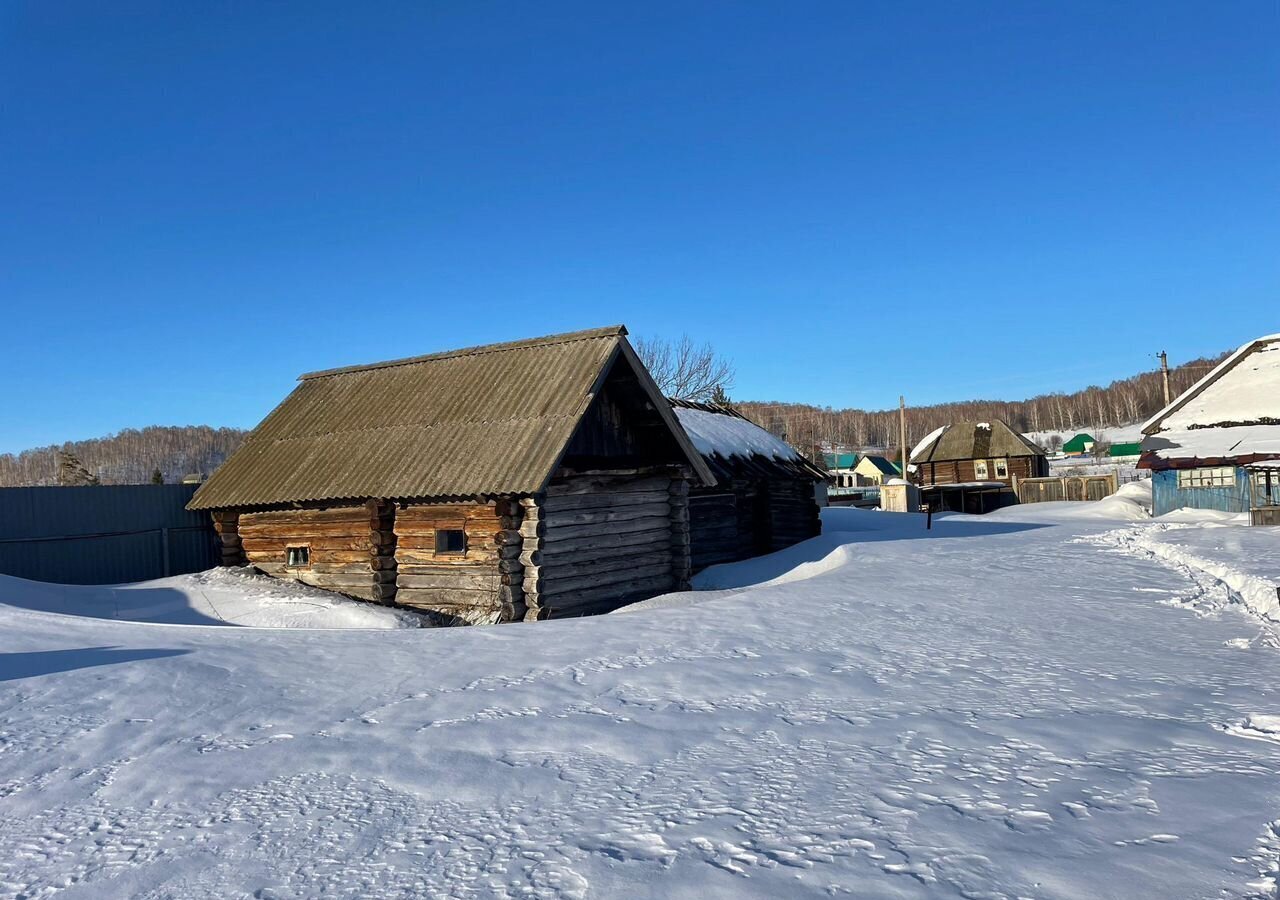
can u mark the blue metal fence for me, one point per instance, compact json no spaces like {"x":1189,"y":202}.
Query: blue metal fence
{"x":107,"y":534}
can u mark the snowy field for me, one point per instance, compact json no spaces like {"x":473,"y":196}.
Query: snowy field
{"x":1059,"y":700}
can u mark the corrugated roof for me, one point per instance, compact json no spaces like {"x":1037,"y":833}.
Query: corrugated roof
{"x":975,"y":440}
{"x":485,"y":420}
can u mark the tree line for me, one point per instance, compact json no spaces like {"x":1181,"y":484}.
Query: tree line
{"x":1123,"y":402}
{"x":159,"y":453}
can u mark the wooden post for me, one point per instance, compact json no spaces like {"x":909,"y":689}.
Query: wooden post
{"x":902,"y":433}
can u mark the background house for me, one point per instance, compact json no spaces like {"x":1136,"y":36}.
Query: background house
{"x":840,"y":468}
{"x":539,"y":478}
{"x":1079,"y":445}
{"x":1217,"y":446}
{"x":873,"y":470}
{"x":971,"y":466}
{"x":764,"y":496}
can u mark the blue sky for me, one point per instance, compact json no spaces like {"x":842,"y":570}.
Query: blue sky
{"x":851,"y":200}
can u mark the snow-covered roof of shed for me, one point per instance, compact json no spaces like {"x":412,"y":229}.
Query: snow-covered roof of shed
{"x":1243,"y":388}
{"x":1230,"y":415}
{"x":729,"y":436}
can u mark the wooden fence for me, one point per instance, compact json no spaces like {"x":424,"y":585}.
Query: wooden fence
{"x":106,"y":534}
{"x":1065,"y":487}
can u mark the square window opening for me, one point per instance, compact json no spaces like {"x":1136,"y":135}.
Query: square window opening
{"x":980,"y":470}
{"x":1002,"y":468}
{"x":298,"y":557}
{"x":451,"y":540}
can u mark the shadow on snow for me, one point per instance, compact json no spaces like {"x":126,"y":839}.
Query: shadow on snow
{"x":48,"y":662}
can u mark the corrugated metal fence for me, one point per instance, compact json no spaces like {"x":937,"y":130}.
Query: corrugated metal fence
{"x":107,"y":534}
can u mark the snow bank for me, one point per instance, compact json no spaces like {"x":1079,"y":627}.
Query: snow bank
{"x":715,"y":434}
{"x":216,"y":597}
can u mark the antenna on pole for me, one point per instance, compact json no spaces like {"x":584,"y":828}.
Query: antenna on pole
{"x":1164,"y":375}
{"x":902,"y":432}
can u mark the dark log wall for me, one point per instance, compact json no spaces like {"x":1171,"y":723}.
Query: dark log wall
{"x":793,"y":512}
{"x":962,"y":471}
{"x":601,"y":539}
{"x":348,"y":547}
{"x":482,"y":584}
{"x":744,"y":517}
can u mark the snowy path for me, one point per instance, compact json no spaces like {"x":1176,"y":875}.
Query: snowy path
{"x":998,"y":710}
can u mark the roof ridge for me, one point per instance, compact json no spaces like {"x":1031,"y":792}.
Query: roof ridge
{"x":547,"y":340}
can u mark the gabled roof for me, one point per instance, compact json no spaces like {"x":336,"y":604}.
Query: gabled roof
{"x":1231,"y":415}
{"x":840,"y":460}
{"x":482,"y":421}
{"x":1077,"y":443}
{"x":973,"y":440}
{"x":883,"y":465}
{"x":732,"y":444}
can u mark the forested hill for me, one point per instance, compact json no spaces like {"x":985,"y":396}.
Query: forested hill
{"x":130,"y":457}
{"x":1122,"y":402}
{"x":133,"y":455}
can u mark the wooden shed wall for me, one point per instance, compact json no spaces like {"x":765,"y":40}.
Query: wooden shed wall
{"x":483,"y":584}
{"x":598,"y":540}
{"x":347,"y":547}
{"x":744,"y":517}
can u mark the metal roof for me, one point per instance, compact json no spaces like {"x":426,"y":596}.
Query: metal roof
{"x":976,"y":440}
{"x":489,"y":420}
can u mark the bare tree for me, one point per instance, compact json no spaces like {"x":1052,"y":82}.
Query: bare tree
{"x":684,"y":369}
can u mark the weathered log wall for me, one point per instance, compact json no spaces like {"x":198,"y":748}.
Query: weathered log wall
{"x":601,"y":539}
{"x":793,"y":512}
{"x":746,"y":516}
{"x":350,"y":547}
{"x":484,"y":583}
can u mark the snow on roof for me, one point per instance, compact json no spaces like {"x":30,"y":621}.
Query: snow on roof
{"x":1215,"y":443}
{"x":1244,"y":387}
{"x":729,"y":436}
{"x":1231,"y":413}
{"x":928,"y":441}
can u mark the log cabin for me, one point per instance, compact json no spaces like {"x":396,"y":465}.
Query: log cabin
{"x":528,"y":480}
{"x":764,"y":498}
{"x":976,"y":453}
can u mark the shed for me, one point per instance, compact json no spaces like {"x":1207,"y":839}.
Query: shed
{"x":539,"y":478}
{"x":976,"y":453}
{"x":764,"y":497}
{"x":1125,"y":450}
{"x":1216,"y":446}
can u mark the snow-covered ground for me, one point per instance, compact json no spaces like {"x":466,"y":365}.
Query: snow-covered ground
{"x":1021,"y":705}
{"x":216,"y":597}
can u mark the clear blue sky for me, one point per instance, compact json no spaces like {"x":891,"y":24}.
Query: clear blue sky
{"x":201,"y":201}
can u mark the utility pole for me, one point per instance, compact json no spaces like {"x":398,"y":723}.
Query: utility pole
{"x":902,"y":433}
{"x":1164,"y":375}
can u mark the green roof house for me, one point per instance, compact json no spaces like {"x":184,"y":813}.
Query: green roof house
{"x":1080,"y":444}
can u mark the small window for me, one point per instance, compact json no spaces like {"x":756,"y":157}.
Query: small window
{"x":1002,"y":468}
{"x":451,"y":540}
{"x":1217,"y":476}
{"x":980,"y":469}
{"x":298,"y":557}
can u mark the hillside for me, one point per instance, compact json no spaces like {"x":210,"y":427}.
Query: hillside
{"x":129,"y":457}
{"x":1122,"y":403}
